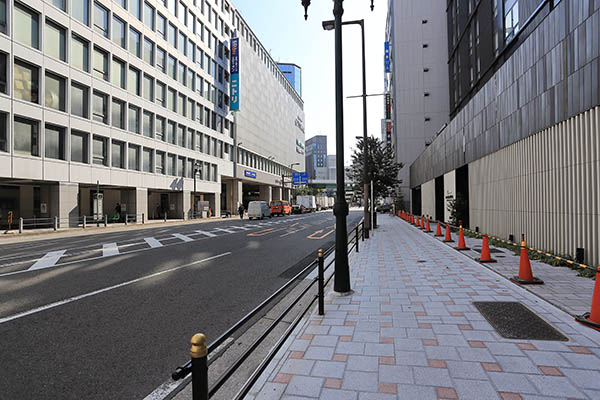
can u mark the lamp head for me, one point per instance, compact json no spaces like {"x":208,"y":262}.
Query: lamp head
{"x":328,"y":25}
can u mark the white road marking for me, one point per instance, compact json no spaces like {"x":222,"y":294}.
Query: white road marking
{"x":206,"y":233}
{"x":109,"y":249}
{"x":49,"y":260}
{"x":222,"y":230}
{"x":153,"y":242}
{"x":183,"y":237}
{"x":239,"y":227}
{"x":106,"y":289}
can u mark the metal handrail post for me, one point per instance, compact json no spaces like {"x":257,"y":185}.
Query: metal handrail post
{"x":321,"y":284}
{"x":105,"y":220}
{"x":20,"y":224}
{"x":356,"y":237}
{"x":199,"y":354}
{"x":55,"y":222}
{"x":84,"y":222}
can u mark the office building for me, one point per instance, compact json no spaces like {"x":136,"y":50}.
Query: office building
{"x":520,"y":151}
{"x":416,"y":86}
{"x":293,"y":73}
{"x":133,"y":98}
{"x":316,"y":157}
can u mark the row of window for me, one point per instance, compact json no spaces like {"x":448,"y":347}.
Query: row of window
{"x":104,"y":151}
{"x":255,"y":161}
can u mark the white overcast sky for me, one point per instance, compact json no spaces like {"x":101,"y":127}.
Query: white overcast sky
{"x":280,"y":26}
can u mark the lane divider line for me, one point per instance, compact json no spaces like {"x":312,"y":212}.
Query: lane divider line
{"x":106,"y":289}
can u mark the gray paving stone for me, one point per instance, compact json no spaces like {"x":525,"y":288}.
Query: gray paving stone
{"x":475,"y":354}
{"x":271,"y":391}
{"x":376,"y":396}
{"x":336,"y":394}
{"x":367,"y":337}
{"x":360,"y":381}
{"x":547,"y":358}
{"x":304,"y":386}
{"x":583,"y":379}
{"x":323,"y":340}
{"x":517,"y":364}
{"x":379,"y":349}
{"x":441,"y":353}
{"x":297,"y":366}
{"x":299,"y":345}
{"x":504,"y":349}
{"x":452,"y":340}
{"x":328,"y":369}
{"x":363,"y":363}
{"x":446,"y":329}
{"x":509,"y":382}
{"x":554,"y":386}
{"x":475,"y":390}
{"x":341,"y":330}
{"x":408,"y":344}
{"x":350,"y":348}
{"x":318,"y":353}
{"x":414,"y":392}
{"x":416,"y":358}
{"x":465,"y":369}
{"x":432,"y":376}
{"x":395,"y":374}
{"x":583,"y":361}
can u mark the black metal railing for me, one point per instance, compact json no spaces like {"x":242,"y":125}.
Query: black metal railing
{"x":196,"y":367}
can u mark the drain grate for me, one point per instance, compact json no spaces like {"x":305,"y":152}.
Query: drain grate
{"x":512,"y":320}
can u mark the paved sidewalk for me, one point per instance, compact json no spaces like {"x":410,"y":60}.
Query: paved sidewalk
{"x":410,"y":331}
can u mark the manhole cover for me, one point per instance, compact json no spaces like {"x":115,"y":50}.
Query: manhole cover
{"x":512,"y":320}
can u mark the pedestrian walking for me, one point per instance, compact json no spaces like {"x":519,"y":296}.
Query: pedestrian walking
{"x":241,"y":211}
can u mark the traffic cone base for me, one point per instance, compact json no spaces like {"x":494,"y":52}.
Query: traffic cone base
{"x":525,"y":276}
{"x":585,"y":320}
{"x":535,"y":281}
{"x":491,"y":260}
{"x":462,"y":248}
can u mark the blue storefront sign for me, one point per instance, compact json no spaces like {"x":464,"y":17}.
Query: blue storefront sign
{"x":249,"y":174}
{"x":234,"y":70}
{"x":300,"y":178}
{"x":387,"y":57}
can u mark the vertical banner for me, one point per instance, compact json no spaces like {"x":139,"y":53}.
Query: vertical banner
{"x":234,"y":70}
{"x":387,"y":57}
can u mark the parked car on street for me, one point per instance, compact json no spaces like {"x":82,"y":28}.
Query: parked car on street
{"x":280,"y":207}
{"x":258,"y":209}
{"x":298,"y":209}
{"x":384,"y":208}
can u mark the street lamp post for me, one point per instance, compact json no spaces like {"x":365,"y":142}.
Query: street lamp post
{"x":196,"y":170}
{"x":329,"y":25}
{"x":283,"y":178}
{"x":342,"y":271}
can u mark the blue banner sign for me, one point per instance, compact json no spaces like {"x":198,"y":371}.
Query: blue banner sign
{"x":387,"y":57}
{"x":249,"y":174}
{"x":234,"y":70}
{"x":300,"y":178}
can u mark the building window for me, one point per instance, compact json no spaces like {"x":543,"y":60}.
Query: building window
{"x":118,"y":31}
{"x":161,"y":62}
{"x":160,"y":128}
{"x":100,"y":19}
{"x":3,"y":133}
{"x":148,"y":87}
{"x":148,"y":51}
{"x":181,"y":166}
{"x":100,"y":150}
{"x":172,"y":100}
{"x":172,"y":35}
{"x":160,"y":93}
{"x":149,"y":16}
{"x":147,"y":160}
{"x":199,"y":141}
{"x":118,"y":73}
{"x":171,"y":126}
{"x":54,"y":41}
{"x":122,"y":3}
{"x":181,"y":74}
{"x":100,"y":111}
{"x":117,"y":154}
{"x":147,"y":124}
{"x":134,"y":119}
{"x":79,"y":100}
{"x":189,"y":139}
{"x":26,"y":82}
{"x":133,"y":157}
{"x":181,"y":105}
{"x":118,"y":114}
{"x":511,"y":19}
{"x":182,"y":43}
{"x":79,"y":53}
{"x":54,"y":138}
{"x":26,"y":26}
{"x":134,"y":43}
{"x":160,"y":163}
{"x":181,"y":136}
{"x":60,"y":4}
{"x":135,"y":9}
{"x":172,"y":67}
{"x":190,"y":168}
{"x":79,"y":147}
{"x":55,"y":92}
{"x":3,"y":72}
{"x":26,"y":137}
{"x":161,"y":26}
{"x":134,"y":81}
{"x":100,"y":63}
{"x":80,"y":9}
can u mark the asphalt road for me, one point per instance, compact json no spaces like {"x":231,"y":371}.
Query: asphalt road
{"x":109,"y":316}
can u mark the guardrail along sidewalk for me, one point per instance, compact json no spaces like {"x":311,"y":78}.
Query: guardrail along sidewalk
{"x":414,"y":329}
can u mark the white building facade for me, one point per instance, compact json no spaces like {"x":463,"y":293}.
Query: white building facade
{"x":131,"y":97}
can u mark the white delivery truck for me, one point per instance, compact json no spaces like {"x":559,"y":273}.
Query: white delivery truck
{"x":330,"y":202}
{"x":322,"y":203}
{"x":308,"y":202}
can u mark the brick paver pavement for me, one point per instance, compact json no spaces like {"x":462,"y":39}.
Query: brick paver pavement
{"x":410,"y":331}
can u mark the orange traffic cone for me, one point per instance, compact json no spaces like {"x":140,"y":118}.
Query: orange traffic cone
{"x":448,"y":237}
{"x":525,"y":276}
{"x":461,"y":239}
{"x":422,"y":223}
{"x":427,"y":229}
{"x":438,"y":231}
{"x":485,"y":252}
{"x":592,"y":319}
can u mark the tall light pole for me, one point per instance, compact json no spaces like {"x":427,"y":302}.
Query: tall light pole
{"x":283,"y":178}
{"x":329,"y":25}
{"x":196,"y":170}
{"x":340,"y":209}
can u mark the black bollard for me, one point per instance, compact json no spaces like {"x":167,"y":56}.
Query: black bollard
{"x":199,"y":367}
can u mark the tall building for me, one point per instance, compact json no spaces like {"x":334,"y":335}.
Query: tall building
{"x":416,"y":79}
{"x":133,"y":98}
{"x":331,"y":166}
{"x":520,"y":151}
{"x":293,"y":73}
{"x":316,"y":157}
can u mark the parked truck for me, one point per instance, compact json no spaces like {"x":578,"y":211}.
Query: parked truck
{"x":322,"y":203}
{"x":308,"y":202}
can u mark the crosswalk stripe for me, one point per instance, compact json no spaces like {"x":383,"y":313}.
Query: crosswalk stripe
{"x":239,"y":227}
{"x":153,"y":242}
{"x":49,"y":260}
{"x":208,"y":234}
{"x":222,"y":230}
{"x":183,"y":237}
{"x":110,"y":249}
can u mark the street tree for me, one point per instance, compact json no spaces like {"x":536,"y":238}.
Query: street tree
{"x":382,"y":169}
